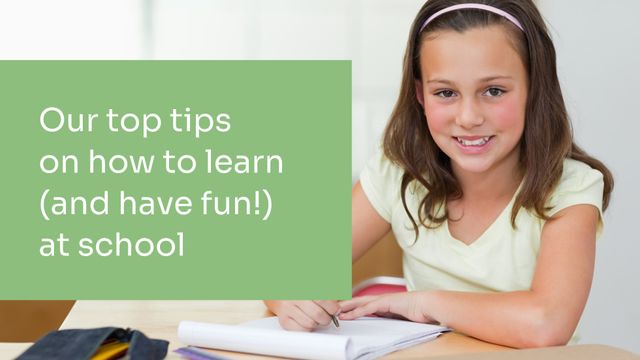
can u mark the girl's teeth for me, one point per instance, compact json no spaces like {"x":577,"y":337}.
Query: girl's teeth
{"x":477,"y":142}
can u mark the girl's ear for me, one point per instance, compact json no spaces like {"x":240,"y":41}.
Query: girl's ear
{"x":419,"y":91}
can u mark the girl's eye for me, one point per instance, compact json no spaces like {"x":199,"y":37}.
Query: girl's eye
{"x":445,"y":93}
{"x":494,"y":92}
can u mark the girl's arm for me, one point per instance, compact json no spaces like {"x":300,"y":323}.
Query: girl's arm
{"x":545,"y":315}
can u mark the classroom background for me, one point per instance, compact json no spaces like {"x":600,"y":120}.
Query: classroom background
{"x":598,"y":46}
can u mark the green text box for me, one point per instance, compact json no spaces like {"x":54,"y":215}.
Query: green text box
{"x":298,"y":111}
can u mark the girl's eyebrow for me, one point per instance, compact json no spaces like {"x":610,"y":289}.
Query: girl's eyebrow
{"x":440,"y":81}
{"x":496,"y":77}
{"x":484,"y":79}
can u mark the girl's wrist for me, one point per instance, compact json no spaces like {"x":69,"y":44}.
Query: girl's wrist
{"x":429,"y":300}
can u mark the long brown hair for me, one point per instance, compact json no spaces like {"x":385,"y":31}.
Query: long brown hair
{"x":547,"y":139}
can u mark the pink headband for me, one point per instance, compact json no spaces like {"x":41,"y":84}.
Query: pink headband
{"x":473,"y":6}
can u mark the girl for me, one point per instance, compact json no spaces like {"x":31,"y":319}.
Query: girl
{"x":496,"y":209}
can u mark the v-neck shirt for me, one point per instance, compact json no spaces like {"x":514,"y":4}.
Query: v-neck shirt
{"x":501,"y":259}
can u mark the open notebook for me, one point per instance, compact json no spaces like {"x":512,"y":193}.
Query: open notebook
{"x":364,"y":338}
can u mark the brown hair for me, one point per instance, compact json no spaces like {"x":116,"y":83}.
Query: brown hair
{"x":547,"y":139}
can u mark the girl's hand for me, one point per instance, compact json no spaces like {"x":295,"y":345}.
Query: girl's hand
{"x":408,"y":305}
{"x":304,"y":315}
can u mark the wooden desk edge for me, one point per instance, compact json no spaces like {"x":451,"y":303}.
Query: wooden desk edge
{"x":86,"y":314}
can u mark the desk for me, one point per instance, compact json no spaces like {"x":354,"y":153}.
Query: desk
{"x":159,"y":319}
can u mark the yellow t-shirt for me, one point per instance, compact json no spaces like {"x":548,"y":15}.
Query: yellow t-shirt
{"x":501,"y":259}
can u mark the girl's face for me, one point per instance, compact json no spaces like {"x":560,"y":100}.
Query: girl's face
{"x":474,"y":93}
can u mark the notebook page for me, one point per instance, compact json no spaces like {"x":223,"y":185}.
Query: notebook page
{"x":374,"y":353}
{"x":267,"y":339}
{"x":370,"y":335}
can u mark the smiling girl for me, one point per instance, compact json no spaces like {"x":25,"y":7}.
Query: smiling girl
{"x":495,"y":207}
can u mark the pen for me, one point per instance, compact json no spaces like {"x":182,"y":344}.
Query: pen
{"x":334,"y":318}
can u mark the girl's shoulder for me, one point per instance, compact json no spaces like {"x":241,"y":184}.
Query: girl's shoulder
{"x":579,"y":184}
{"x":381,"y":180}
{"x":381,"y":166}
{"x":577,"y":175}
{"x":382,"y":173}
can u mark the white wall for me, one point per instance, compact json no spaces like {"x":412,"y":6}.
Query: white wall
{"x":371,"y":33}
{"x":598,"y":57}
{"x":70,"y":29}
{"x":598,"y":44}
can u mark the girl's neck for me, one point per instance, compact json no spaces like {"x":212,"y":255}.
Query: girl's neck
{"x":498,"y":182}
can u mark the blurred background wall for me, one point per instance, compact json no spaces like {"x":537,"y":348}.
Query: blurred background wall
{"x":598,"y":54}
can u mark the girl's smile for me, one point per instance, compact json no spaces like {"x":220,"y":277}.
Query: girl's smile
{"x":474,"y":144}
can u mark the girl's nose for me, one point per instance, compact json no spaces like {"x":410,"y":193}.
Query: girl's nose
{"x":469,"y":114}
